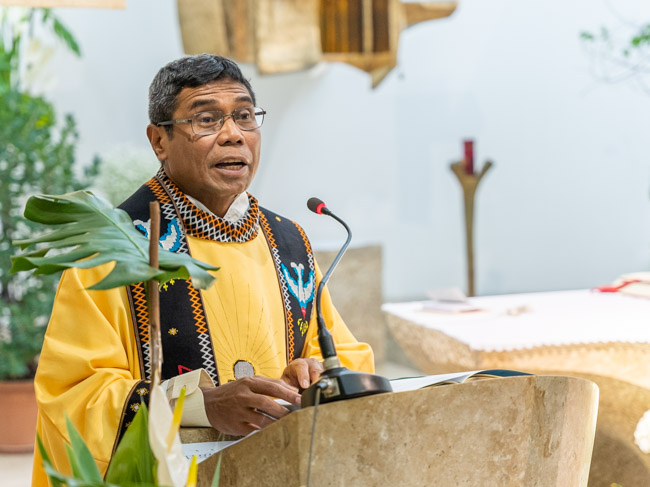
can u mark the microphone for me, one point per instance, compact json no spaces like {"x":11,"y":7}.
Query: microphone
{"x":337,"y":382}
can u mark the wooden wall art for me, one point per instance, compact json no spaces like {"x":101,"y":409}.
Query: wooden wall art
{"x":289,"y":35}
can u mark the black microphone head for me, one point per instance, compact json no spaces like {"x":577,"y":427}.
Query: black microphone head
{"x":316,"y":205}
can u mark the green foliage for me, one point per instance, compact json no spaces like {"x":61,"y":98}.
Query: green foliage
{"x":14,"y":32}
{"x":587,"y":36}
{"x":217,"y":472}
{"x":642,"y":37}
{"x":36,"y":156}
{"x":638,"y":41}
{"x":94,"y":233}
{"x":81,"y":460}
{"x":132,"y":464}
{"x":133,"y":461}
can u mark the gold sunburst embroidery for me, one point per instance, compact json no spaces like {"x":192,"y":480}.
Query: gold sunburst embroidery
{"x":173,"y":331}
{"x":243,"y":332}
{"x":142,"y":391}
{"x":135,"y":407}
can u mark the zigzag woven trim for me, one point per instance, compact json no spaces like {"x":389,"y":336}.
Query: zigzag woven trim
{"x":201,"y":224}
{"x":156,"y":188}
{"x":142,"y":317}
{"x":203,"y":336}
{"x":291,"y":346}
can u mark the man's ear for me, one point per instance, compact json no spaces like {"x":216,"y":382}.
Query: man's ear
{"x":158,"y":139}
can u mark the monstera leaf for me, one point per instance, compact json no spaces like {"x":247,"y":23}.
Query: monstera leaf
{"x":89,"y":232}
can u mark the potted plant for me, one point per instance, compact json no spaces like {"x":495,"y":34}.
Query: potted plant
{"x":36,"y":155}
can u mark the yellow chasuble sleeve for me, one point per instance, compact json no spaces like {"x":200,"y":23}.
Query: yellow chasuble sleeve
{"x":88,"y":367}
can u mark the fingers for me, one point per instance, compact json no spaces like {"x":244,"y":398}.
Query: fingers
{"x":245,"y":405}
{"x":274,"y":388}
{"x":267,"y":406}
{"x":315,"y":370}
{"x":302,"y":372}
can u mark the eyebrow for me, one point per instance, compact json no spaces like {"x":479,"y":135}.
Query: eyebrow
{"x":202,"y":102}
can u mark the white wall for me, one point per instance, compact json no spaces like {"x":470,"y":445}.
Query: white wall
{"x":566,"y":205}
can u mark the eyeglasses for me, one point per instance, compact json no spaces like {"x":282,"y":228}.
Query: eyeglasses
{"x":207,"y":123}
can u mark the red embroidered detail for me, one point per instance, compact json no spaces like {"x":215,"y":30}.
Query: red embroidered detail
{"x":182,"y":368}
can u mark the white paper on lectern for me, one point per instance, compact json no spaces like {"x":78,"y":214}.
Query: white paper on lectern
{"x":414,"y":383}
{"x":206,"y":449}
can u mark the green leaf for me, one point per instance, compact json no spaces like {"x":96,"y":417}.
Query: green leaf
{"x":89,"y":232}
{"x":133,"y":460}
{"x":81,"y":460}
{"x":587,"y":36}
{"x":217,"y":472}
{"x":66,"y":36}
{"x":46,"y":461}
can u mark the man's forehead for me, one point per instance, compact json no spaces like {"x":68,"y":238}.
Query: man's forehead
{"x":215,"y":93}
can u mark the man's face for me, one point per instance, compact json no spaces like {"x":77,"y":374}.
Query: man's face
{"x":214,"y":168}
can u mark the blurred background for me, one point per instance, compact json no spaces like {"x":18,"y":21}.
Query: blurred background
{"x":566,"y":205}
{"x":556,"y":94}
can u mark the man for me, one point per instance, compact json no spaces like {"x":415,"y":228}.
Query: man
{"x":252,"y":334}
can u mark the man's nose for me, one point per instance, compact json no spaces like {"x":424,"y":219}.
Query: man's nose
{"x":230,"y":133}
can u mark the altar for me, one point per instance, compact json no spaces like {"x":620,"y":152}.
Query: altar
{"x":601,"y":336}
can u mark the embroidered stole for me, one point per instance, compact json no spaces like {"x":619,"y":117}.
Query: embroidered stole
{"x":181,"y":305}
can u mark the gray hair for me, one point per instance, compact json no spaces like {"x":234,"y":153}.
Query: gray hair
{"x":189,"y":72}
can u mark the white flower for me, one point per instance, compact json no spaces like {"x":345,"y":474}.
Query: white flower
{"x":642,"y":433}
{"x":14,"y":16}
{"x":173,"y":467}
{"x":36,"y":63}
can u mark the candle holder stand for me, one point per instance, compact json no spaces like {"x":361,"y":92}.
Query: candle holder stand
{"x":469,"y":183}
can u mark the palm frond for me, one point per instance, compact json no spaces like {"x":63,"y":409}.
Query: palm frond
{"x":89,"y":232}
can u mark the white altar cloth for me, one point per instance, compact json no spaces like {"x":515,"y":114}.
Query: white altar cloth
{"x":549,"y":318}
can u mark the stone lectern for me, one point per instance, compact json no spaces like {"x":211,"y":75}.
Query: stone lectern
{"x":516,"y":431}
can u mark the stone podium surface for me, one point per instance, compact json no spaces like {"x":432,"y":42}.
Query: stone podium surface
{"x":516,"y":431}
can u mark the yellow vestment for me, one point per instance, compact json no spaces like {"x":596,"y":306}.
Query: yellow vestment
{"x":90,"y":361}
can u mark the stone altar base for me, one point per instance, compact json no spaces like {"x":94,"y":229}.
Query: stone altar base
{"x":518,"y":431}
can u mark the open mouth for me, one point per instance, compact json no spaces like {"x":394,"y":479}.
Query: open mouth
{"x":230,"y":165}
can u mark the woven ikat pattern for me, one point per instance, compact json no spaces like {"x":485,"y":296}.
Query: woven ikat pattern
{"x":201,"y":224}
{"x":202,"y":334}
{"x":167,"y":208}
{"x":142,"y":317}
{"x":286,"y":297}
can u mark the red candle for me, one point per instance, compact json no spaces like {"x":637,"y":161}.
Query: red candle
{"x":469,"y":156}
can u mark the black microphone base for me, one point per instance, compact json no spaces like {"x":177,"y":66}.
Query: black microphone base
{"x":340,"y":383}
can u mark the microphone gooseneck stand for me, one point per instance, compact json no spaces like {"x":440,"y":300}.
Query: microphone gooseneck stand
{"x":337,"y":382}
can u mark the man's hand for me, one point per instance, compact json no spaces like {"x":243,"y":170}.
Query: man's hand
{"x":245,"y":405}
{"x":302,"y":372}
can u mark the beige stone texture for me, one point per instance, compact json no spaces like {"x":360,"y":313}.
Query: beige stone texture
{"x":356,"y":290}
{"x":621,"y":370}
{"x":519,"y":431}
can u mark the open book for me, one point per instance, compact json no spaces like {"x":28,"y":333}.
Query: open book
{"x":413,"y":383}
